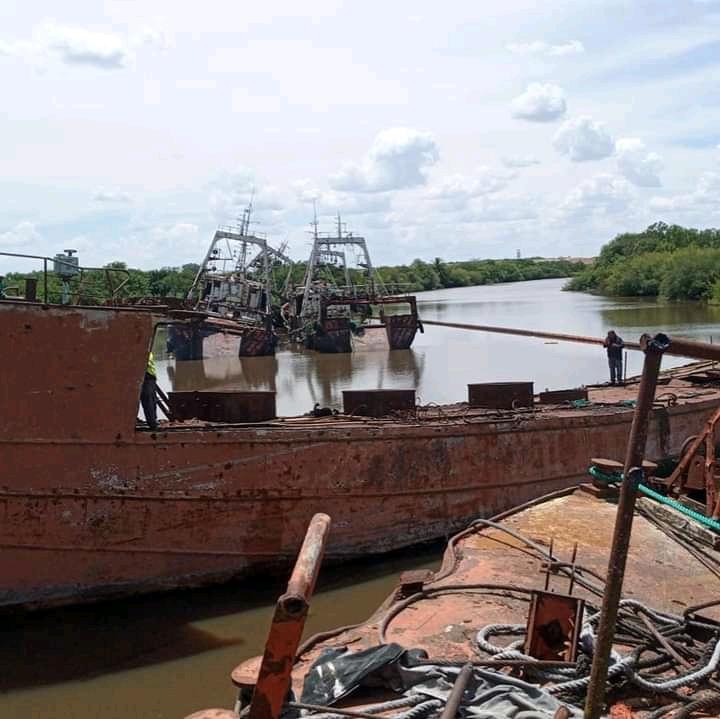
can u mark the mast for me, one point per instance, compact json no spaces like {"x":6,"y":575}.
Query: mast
{"x":348,"y":282}
{"x":310,"y":269}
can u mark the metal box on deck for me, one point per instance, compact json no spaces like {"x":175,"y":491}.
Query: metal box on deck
{"x":66,"y":265}
{"x":378,"y":402}
{"x":559,"y":396}
{"x":501,"y":395}
{"x":223,"y":406}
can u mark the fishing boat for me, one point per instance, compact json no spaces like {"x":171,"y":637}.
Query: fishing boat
{"x":232,"y":296}
{"x":330,"y":317}
{"x":94,"y":504}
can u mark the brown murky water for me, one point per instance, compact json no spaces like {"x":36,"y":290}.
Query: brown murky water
{"x":443,"y":361}
{"x":163,"y":657}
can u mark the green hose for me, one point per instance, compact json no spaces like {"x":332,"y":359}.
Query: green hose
{"x":601,"y":476}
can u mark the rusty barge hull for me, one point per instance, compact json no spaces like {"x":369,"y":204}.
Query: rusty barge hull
{"x":197,"y":342}
{"x":92,"y":507}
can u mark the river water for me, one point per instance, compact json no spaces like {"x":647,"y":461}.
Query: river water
{"x":443,"y":361}
{"x":165,"y":656}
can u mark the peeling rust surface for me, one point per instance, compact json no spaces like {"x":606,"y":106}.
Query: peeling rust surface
{"x":659,"y":572}
{"x":89,"y":507}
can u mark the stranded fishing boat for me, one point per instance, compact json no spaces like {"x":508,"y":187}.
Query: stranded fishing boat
{"x":232,"y":294}
{"x":96,"y":505}
{"x":331,"y":317}
{"x":511,"y":625}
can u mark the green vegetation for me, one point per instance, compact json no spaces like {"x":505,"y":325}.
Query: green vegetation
{"x":669,"y":261}
{"x":97,"y":286}
{"x":419,"y":275}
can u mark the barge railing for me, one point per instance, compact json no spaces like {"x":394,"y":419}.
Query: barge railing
{"x":83,"y":273}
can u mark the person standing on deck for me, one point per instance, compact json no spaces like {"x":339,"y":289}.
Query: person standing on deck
{"x":614,"y":346}
{"x":147,"y":393}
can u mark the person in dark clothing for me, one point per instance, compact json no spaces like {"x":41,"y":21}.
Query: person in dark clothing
{"x":614,"y":346}
{"x":147,"y":394}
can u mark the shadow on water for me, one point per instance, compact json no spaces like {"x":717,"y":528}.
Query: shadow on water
{"x":81,"y":642}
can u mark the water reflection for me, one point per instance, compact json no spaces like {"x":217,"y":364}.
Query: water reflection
{"x":698,"y":321}
{"x":300,"y":378}
{"x":243,"y":373}
{"x":443,"y":361}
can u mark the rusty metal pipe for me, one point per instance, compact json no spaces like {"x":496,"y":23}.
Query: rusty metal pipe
{"x":455,"y":699}
{"x":526,"y":333}
{"x":677,"y":346}
{"x":288,"y":623}
{"x":654,"y":349}
{"x":305,"y":574}
{"x":697,"y":350}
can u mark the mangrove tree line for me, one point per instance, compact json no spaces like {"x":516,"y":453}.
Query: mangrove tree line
{"x":673,"y":262}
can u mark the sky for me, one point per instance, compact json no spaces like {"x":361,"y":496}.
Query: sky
{"x":130,"y":130}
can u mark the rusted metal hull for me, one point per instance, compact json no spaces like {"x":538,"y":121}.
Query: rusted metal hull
{"x":334,"y":334}
{"x":257,"y":342}
{"x":332,"y":337}
{"x":86,"y":519}
{"x":660,"y":573}
{"x":91,"y":507}
{"x":196,"y":342}
{"x":401,"y":330}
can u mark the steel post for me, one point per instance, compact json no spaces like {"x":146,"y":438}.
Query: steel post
{"x":456,"y":694}
{"x":654,"y":347}
{"x":288,"y":623}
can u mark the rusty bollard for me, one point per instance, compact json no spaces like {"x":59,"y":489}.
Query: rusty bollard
{"x":287,"y":626}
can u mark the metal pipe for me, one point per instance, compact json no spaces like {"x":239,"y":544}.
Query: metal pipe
{"x":456,"y":695}
{"x":664,"y":643}
{"x":302,"y":580}
{"x":654,"y":349}
{"x":287,"y":625}
{"x":319,"y":709}
{"x":697,"y":350}
{"x":676,"y":346}
{"x":527,"y":333}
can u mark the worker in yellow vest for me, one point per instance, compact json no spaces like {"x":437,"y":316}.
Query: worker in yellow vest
{"x":147,"y":393}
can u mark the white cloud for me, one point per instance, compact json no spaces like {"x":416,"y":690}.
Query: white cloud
{"x":111,"y":196}
{"x":602,"y":194}
{"x":22,"y":236}
{"x":637,"y":164}
{"x":541,"y":102}
{"x":583,"y":139}
{"x":705,"y":197}
{"x":399,"y":158}
{"x":518,"y":161}
{"x":73,"y":45}
{"x":231,"y":192}
{"x":573,"y":47}
{"x":457,"y":189}
{"x":178,"y":230}
{"x":499,"y":209}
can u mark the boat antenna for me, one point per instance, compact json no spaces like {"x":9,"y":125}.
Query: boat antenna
{"x":249,"y":211}
{"x":315,"y":220}
{"x":339,"y":226}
